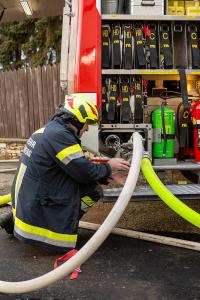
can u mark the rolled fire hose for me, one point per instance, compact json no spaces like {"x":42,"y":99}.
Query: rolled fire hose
{"x":172,"y":201}
{"x":97,"y":239}
{"x":5,"y":199}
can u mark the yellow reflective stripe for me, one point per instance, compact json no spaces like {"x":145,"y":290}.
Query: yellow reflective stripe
{"x":19,"y":179}
{"x":88,"y":201}
{"x":68,"y":151}
{"x":41,"y":130}
{"x":45,"y":232}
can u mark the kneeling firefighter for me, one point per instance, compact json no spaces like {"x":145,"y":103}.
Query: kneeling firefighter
{"x":55,"y":184}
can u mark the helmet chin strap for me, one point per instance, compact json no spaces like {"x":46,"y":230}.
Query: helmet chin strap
{"x":78,"y":125}
{"x":71,"y":119}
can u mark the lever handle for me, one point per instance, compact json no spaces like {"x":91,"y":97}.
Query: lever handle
{"x":148,"y":3}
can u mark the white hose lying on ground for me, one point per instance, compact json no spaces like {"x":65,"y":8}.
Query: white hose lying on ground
{"x":97,"y":239}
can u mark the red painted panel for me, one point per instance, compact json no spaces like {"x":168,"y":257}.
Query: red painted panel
{"x":87,"y":77}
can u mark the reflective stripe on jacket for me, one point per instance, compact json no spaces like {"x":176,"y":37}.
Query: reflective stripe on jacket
{"x":45,"y":190}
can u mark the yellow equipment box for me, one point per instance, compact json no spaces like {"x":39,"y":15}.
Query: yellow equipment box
{"x":192,"y":8}
{"x":176,"y":8}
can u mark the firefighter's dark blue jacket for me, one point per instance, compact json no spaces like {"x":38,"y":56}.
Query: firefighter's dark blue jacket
{"x":45,"y":190}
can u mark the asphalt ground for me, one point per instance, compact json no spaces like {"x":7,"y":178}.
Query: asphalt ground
{"x":122,"y":268}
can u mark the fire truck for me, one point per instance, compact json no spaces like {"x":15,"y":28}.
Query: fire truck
{"x":140,"y":63}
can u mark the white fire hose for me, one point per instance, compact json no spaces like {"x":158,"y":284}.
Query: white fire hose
{"x":97,"y":239}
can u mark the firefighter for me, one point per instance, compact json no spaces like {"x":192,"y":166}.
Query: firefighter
{"x":55,"y":184}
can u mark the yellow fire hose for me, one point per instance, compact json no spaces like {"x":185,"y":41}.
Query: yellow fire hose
{"x":173,"y":202}
{"x":5,"y":199}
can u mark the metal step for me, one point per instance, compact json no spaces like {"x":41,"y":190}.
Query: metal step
{"x":141,"y":193}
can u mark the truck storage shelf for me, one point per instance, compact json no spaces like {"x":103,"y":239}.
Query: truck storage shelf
{"x":126,"y":17}
{"x":181,"y":165}
{"x":186,"y":191}
{"x":148,"y":72}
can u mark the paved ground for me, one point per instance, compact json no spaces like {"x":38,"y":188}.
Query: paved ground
{"x":121,"y":269}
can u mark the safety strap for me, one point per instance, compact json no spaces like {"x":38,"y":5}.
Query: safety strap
{"x":116,"y":44}
{"x":112,"y":101}
{"x":104,"y":100}
{"x":139,"y":46}
{"x":184,"y":132}
{"x":164,"y":135}
{"x":65,"y":258}
{"x":105,"y":46}
{"x":132,"y":98}
{"x":138,"y":117}
{"x":165,"y":46}
{"x":194,"y":41}
{"x":184,"y":138}
{"x":145,"y":91}
{"x":183,"y":86}
{"x":128,"y":47}
{"x":125,"y":102}
{"x":152,"y":42}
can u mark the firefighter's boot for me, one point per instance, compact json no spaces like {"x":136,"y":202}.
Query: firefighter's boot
{"x":6,"y":222}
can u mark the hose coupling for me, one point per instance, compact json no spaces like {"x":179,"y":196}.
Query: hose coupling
{"x":146,"y":155}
